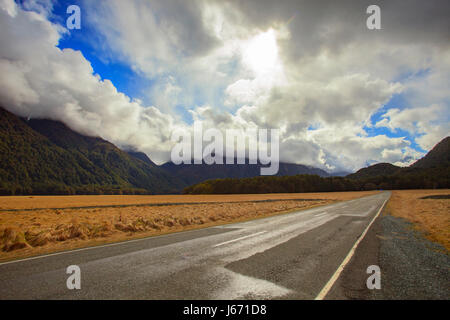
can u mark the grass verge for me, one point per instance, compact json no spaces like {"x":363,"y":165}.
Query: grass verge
{"x":32,"y":229}
{"x":428,"y":210}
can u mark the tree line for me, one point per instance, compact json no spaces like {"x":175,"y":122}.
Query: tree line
{"x":409,"y":178}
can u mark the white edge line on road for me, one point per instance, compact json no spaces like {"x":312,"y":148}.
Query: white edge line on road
{"x":75,"y":250}
{"x":241,"y":238}
{"x":100,"y":246}
{"x":322,"y":294}
{"x":134,"y":240}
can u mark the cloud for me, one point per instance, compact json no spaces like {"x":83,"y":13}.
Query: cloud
{"x":151,"y":35}
{"x":43,"y":7}
{"x":46,"y":82}
{"x":429,"y":123}
{"x":311,"y":69}
{"x":334,"y":25}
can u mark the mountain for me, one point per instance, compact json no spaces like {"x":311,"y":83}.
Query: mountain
{"x":439,"y":156}
{"x":408,"y":178}
{"x":47,"y":157}
{"x":195,"y":173}
{"x":431,"y":172}
{"x":339,"y":173}
{"x":40,"y":156}
{"x":141,"y":156}
{"x":379,"y":169}
{"x":292,"y":169}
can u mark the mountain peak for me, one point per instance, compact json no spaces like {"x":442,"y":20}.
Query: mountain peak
{"x":439,"y":156}
{"x":47,"y":157}
{"x":141,"y":156}
{"x":378,"y":169}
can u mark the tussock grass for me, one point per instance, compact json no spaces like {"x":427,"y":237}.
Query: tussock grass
{"x":79,"y":202}
{"x":429,"y":210}
{"x":25,"y":232}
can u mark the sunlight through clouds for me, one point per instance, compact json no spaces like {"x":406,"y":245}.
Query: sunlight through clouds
{"x":313,"y":71}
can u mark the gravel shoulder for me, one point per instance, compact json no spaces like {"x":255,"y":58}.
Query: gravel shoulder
{"x":412,"y":267}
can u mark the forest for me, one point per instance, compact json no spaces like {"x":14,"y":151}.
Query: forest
{"x":407,"y":178}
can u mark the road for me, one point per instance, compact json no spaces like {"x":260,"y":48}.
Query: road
{"x":290,"y":256}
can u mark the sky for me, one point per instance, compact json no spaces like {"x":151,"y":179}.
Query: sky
{"x":342,"y":96}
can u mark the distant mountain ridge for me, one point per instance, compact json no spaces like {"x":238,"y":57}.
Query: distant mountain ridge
{"x":438,"y":157}
{"x":378,"y":169}
{"x":47,"y":157}
{"x":192,"y":174}
{"x":141,"y":156}
{"x":431,"y":172}
{"x":40,"y":156}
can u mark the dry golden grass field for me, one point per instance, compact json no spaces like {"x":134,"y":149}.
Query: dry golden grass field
{"x":33,"y":225}
{"x":33,"y":202}
{"x":430,"y":216}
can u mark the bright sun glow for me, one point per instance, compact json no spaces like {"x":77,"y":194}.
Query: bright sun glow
{"x":261,"y":52}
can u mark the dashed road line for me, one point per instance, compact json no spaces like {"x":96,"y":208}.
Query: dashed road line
{"x":241,"y":238}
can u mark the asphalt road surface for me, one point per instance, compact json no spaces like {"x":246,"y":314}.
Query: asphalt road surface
{"x":291,"y":256}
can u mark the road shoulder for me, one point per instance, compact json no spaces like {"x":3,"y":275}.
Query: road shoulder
{"x":412,"y":267}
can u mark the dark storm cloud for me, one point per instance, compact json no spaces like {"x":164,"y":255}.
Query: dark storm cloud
{"x":332,"y":25}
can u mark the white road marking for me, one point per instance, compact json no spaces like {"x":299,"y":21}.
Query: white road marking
{"x":360,"y":214}
{"x":241,"y":238}
{"x":239,"y":286}
{"x":322,"y":294}
{"x":321,"y":214}
{"x":96,"y":247}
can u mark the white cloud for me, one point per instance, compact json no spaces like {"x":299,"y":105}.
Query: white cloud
{"x":9,"y":6}
{"x":429,"y":123}
{"x":314,"y":71}
{"x":44,"y":81}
